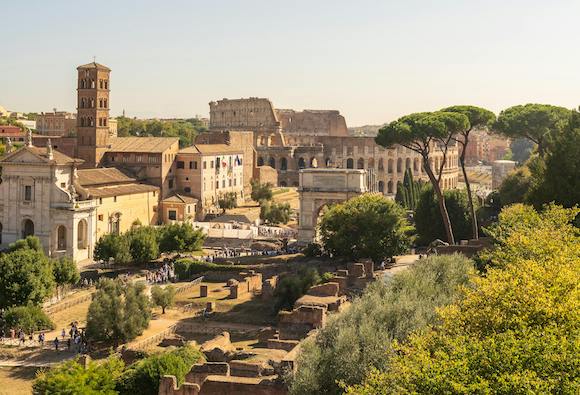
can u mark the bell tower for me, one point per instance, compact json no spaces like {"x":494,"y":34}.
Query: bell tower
{"x":92,"y":113}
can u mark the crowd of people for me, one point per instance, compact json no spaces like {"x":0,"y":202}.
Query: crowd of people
{"x":166,"y":273}
{"x":75,"y":341}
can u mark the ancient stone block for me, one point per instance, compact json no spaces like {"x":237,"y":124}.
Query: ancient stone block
{"x":327,"y":289}
{"x":203,"y":291}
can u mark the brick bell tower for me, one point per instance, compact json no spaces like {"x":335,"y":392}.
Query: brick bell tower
{"x":92,"y":113}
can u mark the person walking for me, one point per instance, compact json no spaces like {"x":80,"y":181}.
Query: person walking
{"x":56,"y":343}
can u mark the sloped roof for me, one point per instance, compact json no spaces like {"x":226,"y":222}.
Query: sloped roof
{"x":141,"y":144}
{"x":118,"y":190}
{"x":212,"y":149}
{"x":102,"y":176}
{"x":40,"y":152}
{"x":93,"y":65}
{"x":179,"y":198}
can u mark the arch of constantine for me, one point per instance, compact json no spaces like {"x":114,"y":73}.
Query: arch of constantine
{"x":320,"y":187}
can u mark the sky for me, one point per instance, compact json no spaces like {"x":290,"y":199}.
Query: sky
{"x":374,"y":61}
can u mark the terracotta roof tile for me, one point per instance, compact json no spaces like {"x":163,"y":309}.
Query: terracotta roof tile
{"x":118,"y":190}
{"x":142,"y":144}
{"x":212,"y":149}
{"x":111,"y":175}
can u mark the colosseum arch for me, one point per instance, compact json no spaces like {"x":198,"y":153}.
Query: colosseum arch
{"x":399,"y":165}
{"x":301,"y":163}
{"x":283,"y":164}
{"x":350,"y":163}
{"x":260,"y":161}
{"x":407,"y":163}
{"x":272,"y":162}
{"x":371,"y":163}
{"x":390,"y":166}
{"x":321,"y":187}
{"x":360,"y":164}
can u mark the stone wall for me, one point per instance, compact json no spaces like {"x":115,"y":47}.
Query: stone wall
{"x":266,"y":174}
{"x":250,"y":285}
{"x":312,"y":122}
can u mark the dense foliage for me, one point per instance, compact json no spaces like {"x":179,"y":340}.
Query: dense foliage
{"x":275,"y":213}
{"x":360,"y":338}
{"x":428,"y":222}
{"x":143,"y":376}
{"x":29,"y":318}
{"x":143,"y":244}
{"x":73,"y":378}
{"x":26,"y":278}
{"x":291,"y":287}
{"x":65,"y":272}
{"x":184,"y":129}
{"x":180,"y":238}
{"x":409,"y":191}
{"x":539,"y":123}
{"x":514,"y":331}
{"x":113,"y":246}
{"x":187,"y":268}
{"x":367,"y":226}
{"x":119,"y":312}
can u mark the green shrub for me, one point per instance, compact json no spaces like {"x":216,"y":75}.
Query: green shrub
{"x":143,"y":376}
{"x":30,"y":318}
{"x":180,"y":237}
{"x":73,"y":378}
{"x":187,"y":268}
{"x":291,"y":287}
{"x":113,"y":246}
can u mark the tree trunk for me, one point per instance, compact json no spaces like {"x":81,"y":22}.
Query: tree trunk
{"x":162,"y":309}
{"x":474,"y":225}
{"x":441,"y":199}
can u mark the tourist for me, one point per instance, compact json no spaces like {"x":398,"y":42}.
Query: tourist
{"x":56,"y":343}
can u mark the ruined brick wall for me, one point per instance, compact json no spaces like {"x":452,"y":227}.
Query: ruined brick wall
{"x":253,"y":113}
{"x":266,"y":174}
{"x":251,"y":284}
{"x":312,"y":122}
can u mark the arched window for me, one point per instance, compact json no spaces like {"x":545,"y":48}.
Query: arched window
{"x":82,"y":234}
{"x":399,"y":165}
{"x":105,"y":102}
{"x":27,"y":228}
{"x":381,"y":164}
{"x":301,"y":163}
{"x":272,"y":163}
{"x":360,"y":164}
{"x":371,"y":163}
{"x":390,"y":187}
{"x":390,"y":169}
{"x":284,"y":164}
{"x":260,"y":161}
{"x":381,"y":186}
{"x":350,"y":163}
{"x":61,"y":238}
{"x":408,"y":163}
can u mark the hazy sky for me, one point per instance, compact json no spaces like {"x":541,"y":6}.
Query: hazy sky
{"x":372,"y":60}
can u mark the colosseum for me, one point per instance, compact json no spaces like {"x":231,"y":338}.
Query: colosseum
{"x":289,"y":140}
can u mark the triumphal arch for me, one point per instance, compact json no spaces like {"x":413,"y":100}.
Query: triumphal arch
{"x":320,"y":187}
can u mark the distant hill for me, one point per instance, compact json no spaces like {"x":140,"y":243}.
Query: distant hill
{"x":366,"y":130}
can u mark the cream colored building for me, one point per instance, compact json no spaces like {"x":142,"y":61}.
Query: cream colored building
{"x":43,"y":194}
{"x":208,"y":171}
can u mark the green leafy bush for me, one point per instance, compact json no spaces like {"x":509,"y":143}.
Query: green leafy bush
{"x":180,"y":238}
{"x":113,"y":246}
{"x":291,"y":287}
{"x":30,"y":318}
{"x":73,"y":378}
{"x":187,"y":268}
{"x":143,"y":376}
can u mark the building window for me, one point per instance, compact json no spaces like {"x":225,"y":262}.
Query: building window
{"x":188,"y":209}
{"x":28,"y":193}
{"x":211,"y":164}
{"x":230,"y":182}
{"x":170,"y":184}
{"x":100,"y":217}
{"x":223,"y":183}
{"x":181,"y":164}
{"x":172,"y":215}
{"x":100,"y":200}
{"x":235,"y":181}
{"x":190,"y":164}
{"x":63,"y":184}
{"x":115,"y":199}
{"x":187,"y":189}
{"x":217,"y":185}
{"x":204,"y":164}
